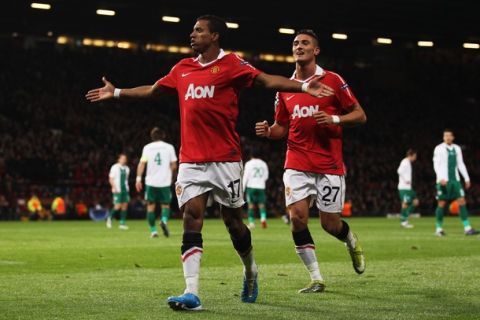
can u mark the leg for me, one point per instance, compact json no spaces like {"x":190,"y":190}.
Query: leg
{"x":404,"y":212}
{"x":262,"y":200}
{"x":192,"y":247}
{"x":123,"y":216}
{"x":439,"y":217}
{"x":340,"y":229}
{"x":242,"y":242}
{"x":407,"y":208}
{"x":304,"y":245}
{"x":251,"y":215}
{"x":112,"y":213}
{"x":464,"y":216}
{"x":263,"y":214}
{"x":165,"y":217}
{"x":116,"y":209}
{"x":151,"y":219}
{"x":165,"y":212}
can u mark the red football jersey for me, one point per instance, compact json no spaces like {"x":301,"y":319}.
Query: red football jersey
{"x":208,"y":99}
{"x":312,"y":147}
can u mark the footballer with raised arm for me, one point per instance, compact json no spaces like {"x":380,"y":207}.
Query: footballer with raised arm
{"x":208,"y":87}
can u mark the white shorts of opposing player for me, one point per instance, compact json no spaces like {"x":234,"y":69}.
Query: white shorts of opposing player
{"x":222,"y":179}
{"x":326,"y":190}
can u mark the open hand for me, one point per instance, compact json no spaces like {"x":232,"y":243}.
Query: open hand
{"x":100,"y":94}
{"x":318,"y":89}
{"x":322,"y":117}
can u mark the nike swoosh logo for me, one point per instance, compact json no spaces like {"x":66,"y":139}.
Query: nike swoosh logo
{"x":185,"y":74}
{"x":290,"y":97}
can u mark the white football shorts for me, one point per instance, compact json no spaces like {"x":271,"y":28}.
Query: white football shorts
{"x":327,"y":190}
{"x":222,"y":179}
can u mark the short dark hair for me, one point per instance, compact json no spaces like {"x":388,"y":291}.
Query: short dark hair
{"x":215,"y":24}
{"x":157,"y":134}
{"x":411,"y":152}
{"x":448,"y":130}
{"x":308,"y":32}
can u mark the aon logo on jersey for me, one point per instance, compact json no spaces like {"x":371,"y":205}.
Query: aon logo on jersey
{"x":304,"y":111}
{"x":199,"y":92}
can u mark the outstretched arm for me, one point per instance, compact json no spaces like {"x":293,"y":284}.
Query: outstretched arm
{"x":108,"y":91}
{"x":354,"y":117}
{"x":282,"y":84}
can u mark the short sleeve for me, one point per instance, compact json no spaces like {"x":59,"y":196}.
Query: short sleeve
{"x":144,"y":157}
{"x":281,"y":113}
{"x":344,"y":93}
{"x":169,"y":81}
{"x":112,"y":172}
{"x":243,"y":73}
{"x":173,"y":156}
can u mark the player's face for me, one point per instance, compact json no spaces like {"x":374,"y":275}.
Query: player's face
{"x":448,"y":137}
{"x":304,"y":48}
{"x":122,"y":160}
{"x":201,"y":38}
{"x":413,"y":157}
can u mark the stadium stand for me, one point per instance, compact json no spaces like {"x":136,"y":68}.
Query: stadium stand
{"x":54,"y":143}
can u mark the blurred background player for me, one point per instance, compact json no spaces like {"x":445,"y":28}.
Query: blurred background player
{"x":210,"y":155}
{"x":407,"y":194}
{"x":447,"y":162}
{"x":37,"y":212}
{"x":255,"y":175}
{"x":118,"y":179}
{"x":161,"y":161}
{"x":314,"y":168}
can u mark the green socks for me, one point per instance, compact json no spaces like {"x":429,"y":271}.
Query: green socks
{"x":165,"y":214}
{"x":439,"y":217}
{"x":251,"y":217}
{"x":151,"y":221}
{"x":263,"y":214}
{"x":404,"y":214}
{"x":113,"y":212}
{"x":464,"y":216}
{"x":123,"y":217}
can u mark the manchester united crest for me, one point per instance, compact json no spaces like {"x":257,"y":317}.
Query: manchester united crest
{"x":178,"y":190}
{"x":215,"y":69}
{"x":288,"y":191}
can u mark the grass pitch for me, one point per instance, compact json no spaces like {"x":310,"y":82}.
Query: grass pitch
{"x":81,"y":270}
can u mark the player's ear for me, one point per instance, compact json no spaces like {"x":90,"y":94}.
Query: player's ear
{"x":215,"y":36}
{"x":316,"y":51}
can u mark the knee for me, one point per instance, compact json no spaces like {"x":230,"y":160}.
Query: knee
{"x":298,"y":219}
{"x":441,"y":204}
{"x":462,"y":201}
{"x":191,"y":216}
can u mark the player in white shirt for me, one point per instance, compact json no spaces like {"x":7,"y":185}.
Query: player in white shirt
{"x":118,"y":179}
{"x":161,"y":161}
{"x":255,"y":176}
{"x":407,"y":194}
{"x":447,"y":162}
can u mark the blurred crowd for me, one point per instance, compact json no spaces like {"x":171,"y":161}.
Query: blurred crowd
{"x":54,"y":143}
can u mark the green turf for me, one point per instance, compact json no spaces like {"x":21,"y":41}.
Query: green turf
{"x":80,"y":270}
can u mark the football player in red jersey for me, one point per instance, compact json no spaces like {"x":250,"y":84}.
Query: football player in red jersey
{"x":210,"y":159}
{"x":314,"y":169}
